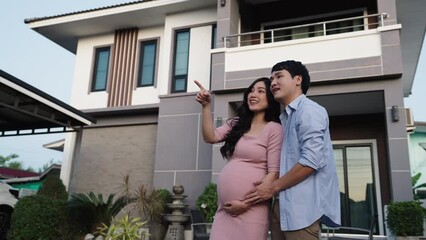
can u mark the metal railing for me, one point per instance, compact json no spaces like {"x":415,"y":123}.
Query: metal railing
{"x":317,"y":29}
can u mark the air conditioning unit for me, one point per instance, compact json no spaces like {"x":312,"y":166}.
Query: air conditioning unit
{"x":409,"y":120}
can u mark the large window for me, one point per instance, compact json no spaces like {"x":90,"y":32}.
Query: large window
{"x":180,"y":63}
{"x":146,"y":74}
{"x":314,"y":27}
{"x":100,"y":70}
{"x":355,"y":170}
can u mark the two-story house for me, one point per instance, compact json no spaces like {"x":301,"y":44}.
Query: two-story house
{"x":136,"y":62}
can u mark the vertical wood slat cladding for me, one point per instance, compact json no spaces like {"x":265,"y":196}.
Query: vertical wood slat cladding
{"x":123,"y":67}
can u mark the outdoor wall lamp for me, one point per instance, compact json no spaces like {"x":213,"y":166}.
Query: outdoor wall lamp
{"x":219,"y":122}
{"x":395,"y":113}
{"x":222,"y":3}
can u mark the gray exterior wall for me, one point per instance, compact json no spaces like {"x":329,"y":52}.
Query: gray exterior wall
{"x":181,"y":157}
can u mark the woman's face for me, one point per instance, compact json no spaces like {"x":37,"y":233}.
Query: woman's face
{"x":257,"y":99}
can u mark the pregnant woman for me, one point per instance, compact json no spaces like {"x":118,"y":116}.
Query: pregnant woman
{"x":252,"y":145}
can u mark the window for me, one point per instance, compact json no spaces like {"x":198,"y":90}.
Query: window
{"x":214,"y":32}
{"x":357,"y":187}
{"x":345,"y":26}
{"x":298,"y":29}
{"x":146,"y":74}
{"x":100,"y":70}
{"x":180,"y":64}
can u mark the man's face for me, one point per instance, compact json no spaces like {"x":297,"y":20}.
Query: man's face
{"x":284,"y":87}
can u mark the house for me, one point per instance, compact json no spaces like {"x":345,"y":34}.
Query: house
{"x":31,"y":184}
{"x":417,"y":148}
{"x":136,"y":62}
{"x":7,"y":173}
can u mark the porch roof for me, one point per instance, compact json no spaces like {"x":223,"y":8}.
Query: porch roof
{"x":25,"y":110}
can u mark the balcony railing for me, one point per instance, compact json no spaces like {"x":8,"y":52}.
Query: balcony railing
{"x":317,"y":29}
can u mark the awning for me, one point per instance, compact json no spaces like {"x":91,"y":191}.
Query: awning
{"x":25,"y":110}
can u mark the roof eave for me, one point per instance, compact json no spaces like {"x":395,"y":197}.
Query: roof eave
{"x":66,"y":29}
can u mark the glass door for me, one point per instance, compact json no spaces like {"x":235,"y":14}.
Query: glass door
{"x":355,"y":170}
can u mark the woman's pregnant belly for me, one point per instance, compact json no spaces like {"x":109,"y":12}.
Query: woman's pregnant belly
{"x":237,"y":178}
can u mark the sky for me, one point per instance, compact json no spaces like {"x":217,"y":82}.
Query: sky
{"x":36,"y":60}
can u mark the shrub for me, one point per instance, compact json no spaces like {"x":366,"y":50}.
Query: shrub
{"x":207,"y":202}
{"x":165,"y":195}
{"x":405,"y":218}
{"x":39,"y":217}
{"x":54,"y":188}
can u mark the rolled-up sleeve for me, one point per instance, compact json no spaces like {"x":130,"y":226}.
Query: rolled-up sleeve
{"x":312,"y":130}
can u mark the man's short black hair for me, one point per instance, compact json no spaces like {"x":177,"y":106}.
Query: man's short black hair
{"x":295,"y":68}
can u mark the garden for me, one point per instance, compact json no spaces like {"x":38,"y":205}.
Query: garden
{"x":127,"y":214}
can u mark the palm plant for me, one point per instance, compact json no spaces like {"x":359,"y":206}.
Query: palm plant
{"x":414,"y":180}
{"x":149,"y":204}
{"x":91,"y":211}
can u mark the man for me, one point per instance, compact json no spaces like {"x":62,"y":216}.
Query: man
{"x":308,"y":185}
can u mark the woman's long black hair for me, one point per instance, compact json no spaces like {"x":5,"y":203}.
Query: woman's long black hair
{"x":242,"y":123}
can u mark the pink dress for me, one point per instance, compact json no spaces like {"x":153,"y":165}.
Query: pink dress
{"x":253,"y":158}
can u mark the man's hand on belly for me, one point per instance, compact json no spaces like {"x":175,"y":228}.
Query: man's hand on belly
{"x":261,"y":192}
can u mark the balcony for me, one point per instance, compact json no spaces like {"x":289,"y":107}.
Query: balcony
{"x":312,"y":30}
{"x":339,"y":49}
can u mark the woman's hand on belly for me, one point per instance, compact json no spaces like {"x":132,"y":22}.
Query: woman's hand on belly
{"x":235,"y":207}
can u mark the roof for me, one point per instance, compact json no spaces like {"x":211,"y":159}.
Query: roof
{"x":53,"y":167}
{"x":420,"y":127}
{"x":6,"y":172}
{"x":35,"y":19}
{"x":57,"y":145}
{"x":66,"y":29}
{"x":26,"y":110}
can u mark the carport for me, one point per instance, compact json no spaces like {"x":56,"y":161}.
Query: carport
{"x":25,"y":110}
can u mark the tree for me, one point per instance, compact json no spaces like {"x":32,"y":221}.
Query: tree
{"x":4,"y":160}
{"x":47,"y":165}
{"x":15,"y":165}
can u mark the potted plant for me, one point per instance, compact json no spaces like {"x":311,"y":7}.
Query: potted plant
{"x":405,"y":219}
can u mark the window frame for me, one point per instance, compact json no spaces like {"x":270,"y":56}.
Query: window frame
{"x":95,"y":73}
{"x":214,"y":36}
{"x":185,"y":76}
{"x":142,"y":44}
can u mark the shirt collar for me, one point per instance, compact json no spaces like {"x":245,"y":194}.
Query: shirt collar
{"x":296,"y":102}
{"x":292,"y":106}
